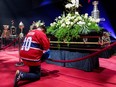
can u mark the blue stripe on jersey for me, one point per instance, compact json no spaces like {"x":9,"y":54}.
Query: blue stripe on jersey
{"x":35,"y":45}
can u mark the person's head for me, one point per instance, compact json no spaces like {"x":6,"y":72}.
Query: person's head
{"x":34,"y":27}
{"x":43,"y":28}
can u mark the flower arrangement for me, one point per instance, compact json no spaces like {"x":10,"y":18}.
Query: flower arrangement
{"x":72,"y":26}
{"x":72,"y":5}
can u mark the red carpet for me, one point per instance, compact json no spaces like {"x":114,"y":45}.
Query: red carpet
{"x":57,"y":76}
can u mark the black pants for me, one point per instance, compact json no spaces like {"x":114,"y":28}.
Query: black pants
{"x":33,"y":74}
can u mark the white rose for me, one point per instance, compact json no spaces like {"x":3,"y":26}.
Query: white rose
{"x":63,"y":25}
{"x":68,"y":5}
{"x":77,"y":13}
{"x":81,"y":23}
{"x":73,"y":1}
{"x":98,"y":20}
{"x":59,"y":17}
{"x":89,"y":24}
{"x":79,"y":18}
{"x":67,"y":22}
{"x":86,"y":15}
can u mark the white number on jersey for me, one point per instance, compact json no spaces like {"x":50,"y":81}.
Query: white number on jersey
{"x":26,"y":44}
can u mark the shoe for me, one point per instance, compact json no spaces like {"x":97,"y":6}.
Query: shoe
{"x":17,"y":78}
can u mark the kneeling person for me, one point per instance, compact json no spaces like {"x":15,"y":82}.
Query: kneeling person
{"x":35,"y":49}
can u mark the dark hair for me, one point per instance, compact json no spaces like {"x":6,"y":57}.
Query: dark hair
{"x":43,"y":27}
{"x":34,"y":27}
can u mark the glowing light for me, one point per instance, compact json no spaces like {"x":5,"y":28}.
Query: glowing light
{"x":46,"y":2}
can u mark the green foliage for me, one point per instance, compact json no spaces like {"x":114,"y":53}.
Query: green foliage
{"x":67,"y":27}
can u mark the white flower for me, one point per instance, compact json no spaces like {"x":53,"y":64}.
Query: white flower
{"x":69,"y":5}
{"x":93,"y":19}
{"x":70,"y":23}
{"x":67,"y":22}
{"x":69,"y":15}
{"x":77,"y":3}
{"x":56,"y":19}
{"x":59,"y":17}
{"x":73,"y":1}
{"x":77,"y":6}
{"x":90,"y":18}
{"x":86,"y":15}
{"x":63,"y":25}
{"x":77,"y":13}
{"x":52,"y":24}
{"x":79,"y":18}
{"x":89,"y":24}
{"x":81,"y":23}
{"x":72,"y":5}
{"x":97,"y":20}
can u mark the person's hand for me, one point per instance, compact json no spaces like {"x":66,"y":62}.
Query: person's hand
{"x":44,"y":51}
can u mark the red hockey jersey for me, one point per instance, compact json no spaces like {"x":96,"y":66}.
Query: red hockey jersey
{"x":33,"y":46}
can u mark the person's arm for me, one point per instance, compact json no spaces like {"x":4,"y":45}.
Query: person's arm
{"x":43,"y":41}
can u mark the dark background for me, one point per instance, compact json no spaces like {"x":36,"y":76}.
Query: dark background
{"x":28,"y":11}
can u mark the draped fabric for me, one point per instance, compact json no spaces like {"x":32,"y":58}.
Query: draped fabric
{"x":86,"y":65}
{"x":107,"y":53}
{"x":57,"y":55}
